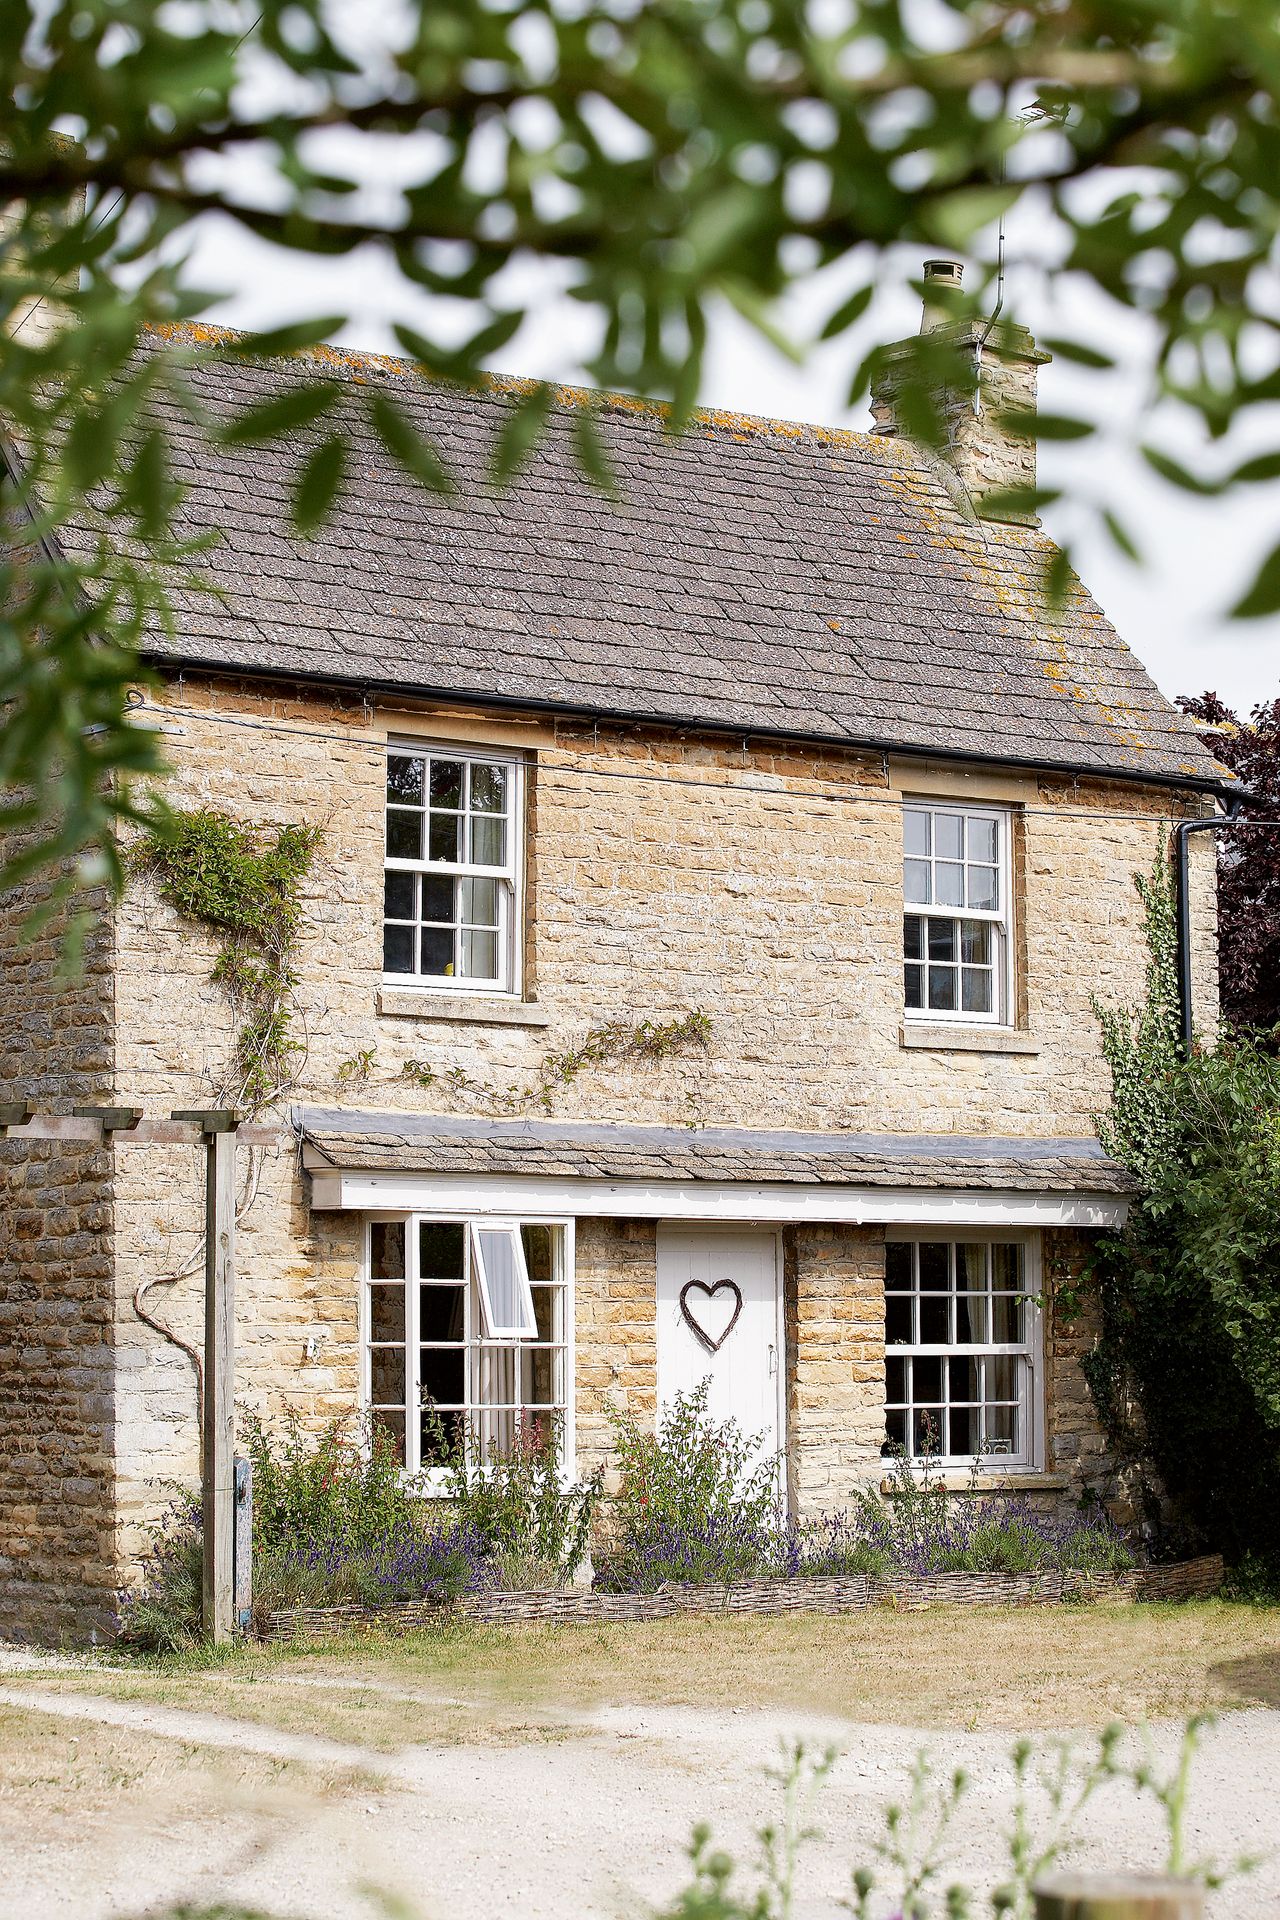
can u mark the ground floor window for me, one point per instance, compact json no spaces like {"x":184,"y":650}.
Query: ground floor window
{"x":962,"y":1342}
{"x":466,"y":1330}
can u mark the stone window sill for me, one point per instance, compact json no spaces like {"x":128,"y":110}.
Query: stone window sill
{"x":410,"y":1003}
{"x":948,"y":1039}
{"x":1018,"y":1480}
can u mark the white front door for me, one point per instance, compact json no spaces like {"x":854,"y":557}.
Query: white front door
{"x":720,"y":1315}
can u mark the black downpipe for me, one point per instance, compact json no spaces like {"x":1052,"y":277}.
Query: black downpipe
{"x":1182,"y":833}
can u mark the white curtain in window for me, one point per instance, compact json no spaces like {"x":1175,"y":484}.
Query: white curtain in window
{"x":506,"y":1299}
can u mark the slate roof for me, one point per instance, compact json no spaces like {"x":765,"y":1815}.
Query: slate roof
{"x":356,"y":1140}
{"x":753,"y":575}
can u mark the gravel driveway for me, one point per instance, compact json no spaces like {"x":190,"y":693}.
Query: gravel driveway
{"x":572,"y":1814}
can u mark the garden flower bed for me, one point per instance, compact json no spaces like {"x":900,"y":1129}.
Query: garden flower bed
{"x":815,"y":1593}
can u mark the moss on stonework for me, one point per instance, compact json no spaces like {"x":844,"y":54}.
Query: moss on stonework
{"x":244,"y":883}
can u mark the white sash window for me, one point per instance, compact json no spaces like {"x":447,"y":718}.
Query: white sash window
{"x":955,"y":929}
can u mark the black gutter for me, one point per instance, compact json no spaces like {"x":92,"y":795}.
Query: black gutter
{"x":687,"y":723}
{"x":1182,"y":833}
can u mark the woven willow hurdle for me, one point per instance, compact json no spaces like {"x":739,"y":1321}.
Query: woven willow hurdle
{"x":1185,"y":1580}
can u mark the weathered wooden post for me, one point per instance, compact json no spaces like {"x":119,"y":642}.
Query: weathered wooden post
{"x":218,"y":1491}
{"x":1117,"y":1896}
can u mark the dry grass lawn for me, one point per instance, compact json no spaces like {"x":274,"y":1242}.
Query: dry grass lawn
{"x":999,"y":1669}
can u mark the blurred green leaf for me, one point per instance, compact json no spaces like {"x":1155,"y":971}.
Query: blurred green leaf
{"x":1263,"y":595}
{"x":319,"y":484}
{"x":286,"y":413}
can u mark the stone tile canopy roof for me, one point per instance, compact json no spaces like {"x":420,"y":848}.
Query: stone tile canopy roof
{"x":751,"y":575}
{"x":359,"y":1141}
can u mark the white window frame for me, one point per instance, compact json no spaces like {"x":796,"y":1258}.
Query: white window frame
{"x":510,"y":876}
{"x":1029,"y":1352}
{"x":475,"y":1342}
{"x":1000,"y":919}
{"x":526,"y":1327}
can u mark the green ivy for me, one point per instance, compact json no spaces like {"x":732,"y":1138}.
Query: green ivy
{"x":244,"y":883}
{"x":1186,"y":1371}
{"x":610,"y":1043}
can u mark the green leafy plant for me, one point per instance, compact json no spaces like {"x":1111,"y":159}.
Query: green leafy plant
{"x":536,"y":1525}
{"x":611,"y":1043}
{"x":1186,"y":1371}
{"x":908,"y":1872}
{"x":695,"y":1500}
{"x":245,"y":884}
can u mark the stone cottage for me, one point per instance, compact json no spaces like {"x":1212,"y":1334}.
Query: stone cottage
{"x":693,"y":976}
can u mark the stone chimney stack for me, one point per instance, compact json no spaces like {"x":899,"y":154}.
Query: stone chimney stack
{"x":987,"y":457}
{"x":37,"y":316}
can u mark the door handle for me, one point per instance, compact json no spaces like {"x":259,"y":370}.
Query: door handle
{"x":773,"y":1361}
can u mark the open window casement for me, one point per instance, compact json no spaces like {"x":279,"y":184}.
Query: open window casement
{"x":502,"y":1277}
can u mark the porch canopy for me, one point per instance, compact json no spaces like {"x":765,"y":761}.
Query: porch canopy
{"x":407,"y":1162}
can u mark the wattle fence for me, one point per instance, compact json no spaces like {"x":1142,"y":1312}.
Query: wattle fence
{"x":1181,"y":1580}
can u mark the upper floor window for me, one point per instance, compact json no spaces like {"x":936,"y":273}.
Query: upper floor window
{"x":956,"y":916}
{"x":452,"y":868}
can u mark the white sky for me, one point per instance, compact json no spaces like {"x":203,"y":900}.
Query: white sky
{"x":1200,"y":553}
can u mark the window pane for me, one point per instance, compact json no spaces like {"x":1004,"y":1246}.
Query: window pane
{"x":443,"y":1374}
{"x":1002,"y":1377}
{"x":984,"y":888}
{"x":1000,"y":1430}
{"x":505,"y":1285}
{"x":539,"y":1252}
{"x":962,"y":1379}
{"x":971,"y":1319}
{"x":913,"y":937}
{"x":488,"y":840}
{"x":440,"y":1251}
{"x":948,"y":884}
{"x":479,"y":956}
{"x":404,"y":835}
{"x":437,"y":952}
{"x":948,"y":836}
{"x":897,"y":1266}
{"x":982,"y":840}
{"x":386,"y":1312}
{"x":915,"y":882}
{"x":897,"y":1320}
{"x":386,"y":1376}
{"x":915,"y":831}
{"x":488,"y":788}
{"x":397,"y":950}
{"x":926,"y":1431}
{"x":895,"y":1381}
{"x":479,"y":903}
{"x":942,"y":939}
{"x":913,"y":986}
{"x":438,"y":899}
{"x":389,"y":1428}
{"x":446,"y":783}
{"x":440,"y":1313}
{"x":934,"y":1328}
{"x":942,"y":989}
{"x":965,"y":1424}
{"x":1006,"y":1318}
{"x":1006,"y":1267}
{"x":386,"y":1250}
{"x":975,"y":942}
{"x":443,"y":837}
{"x":935,"y":1265}
{"x":975,"y":990}
{"x":404,"y":780}
{"x":926,"y":1379}
{"x":895,"y":1433}
{"x":545,"y":1300}
{"x":397,"y":896}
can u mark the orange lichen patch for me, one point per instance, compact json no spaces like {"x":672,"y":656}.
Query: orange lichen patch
{"x":356,"y":362}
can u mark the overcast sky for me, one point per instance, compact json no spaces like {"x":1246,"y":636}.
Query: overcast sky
{"x":1199,"y":552}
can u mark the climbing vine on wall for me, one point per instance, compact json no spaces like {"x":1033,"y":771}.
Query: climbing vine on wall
{"x":609,"y":1043}
{"x":245,"y":884}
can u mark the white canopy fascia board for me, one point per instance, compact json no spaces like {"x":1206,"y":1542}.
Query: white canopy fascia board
{"x":523,"y":1196}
